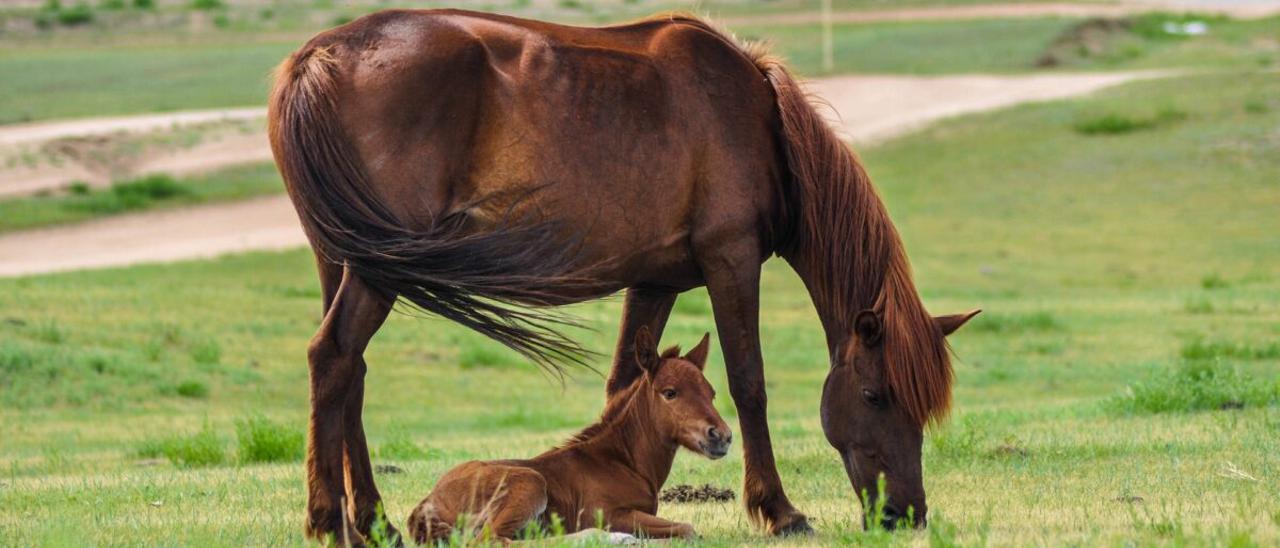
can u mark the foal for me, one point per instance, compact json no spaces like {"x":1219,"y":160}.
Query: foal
{"x":613,"y":469}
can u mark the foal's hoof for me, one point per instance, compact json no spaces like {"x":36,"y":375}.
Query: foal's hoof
{"x":793,"y":524}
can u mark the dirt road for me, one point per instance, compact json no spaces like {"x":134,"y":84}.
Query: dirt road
{"x":870,"y":108}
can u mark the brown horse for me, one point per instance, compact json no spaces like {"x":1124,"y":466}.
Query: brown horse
{"x":483,"y":167}
{"x":613,"y":469}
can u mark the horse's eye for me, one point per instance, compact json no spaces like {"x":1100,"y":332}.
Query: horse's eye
{"x":669,"y":394}
{"x":873,"y":399}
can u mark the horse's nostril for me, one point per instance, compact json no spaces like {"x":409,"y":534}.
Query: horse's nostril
{"x":713,"y":434}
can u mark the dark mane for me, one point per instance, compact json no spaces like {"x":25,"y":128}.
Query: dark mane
{"x":847,"y":249}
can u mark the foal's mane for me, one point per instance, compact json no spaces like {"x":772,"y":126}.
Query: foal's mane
{"x":616,"y":406}
{"x":843,"y":243}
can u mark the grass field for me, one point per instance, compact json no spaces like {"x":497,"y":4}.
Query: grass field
{"x":148,"y":192}
{"x":1122,"y":387}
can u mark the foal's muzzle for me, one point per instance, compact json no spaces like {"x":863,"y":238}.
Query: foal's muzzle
{"x":715,"y":442}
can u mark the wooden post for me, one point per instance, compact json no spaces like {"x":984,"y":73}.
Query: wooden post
{"x":828,"y":47}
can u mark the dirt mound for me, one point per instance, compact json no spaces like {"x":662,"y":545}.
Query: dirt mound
{"x":689,"y":493}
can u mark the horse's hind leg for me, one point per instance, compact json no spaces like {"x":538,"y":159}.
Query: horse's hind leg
{"x":337,"y":366}
{"x":520,"y":499}
{"x":647,"y":307}
{"x":361,"y":490}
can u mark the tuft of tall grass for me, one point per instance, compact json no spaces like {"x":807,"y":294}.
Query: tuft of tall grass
{"x":262,"y":440}
{"x":129,"y":195}
{"x":1119,"y":124}
{"x":203,"y":448}
{"x":1199,"y":349}
{"x":1015,"y":323}
{"x":1197,"y":385}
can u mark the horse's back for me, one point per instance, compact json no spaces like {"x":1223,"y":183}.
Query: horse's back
{"x":491,"y":115}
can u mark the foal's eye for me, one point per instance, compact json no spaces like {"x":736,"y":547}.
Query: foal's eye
{"x":873,"y":399}
{"x":669,"y":394}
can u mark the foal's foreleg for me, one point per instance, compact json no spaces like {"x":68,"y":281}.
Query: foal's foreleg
{"x":335,"y":355}
{"x":733,"y":281}
{"x":647,"y":307}
{"x":635,"y":522}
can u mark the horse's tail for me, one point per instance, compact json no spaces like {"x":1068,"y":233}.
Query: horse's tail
{"x":491,"y":282}
{"x":426,"y":528}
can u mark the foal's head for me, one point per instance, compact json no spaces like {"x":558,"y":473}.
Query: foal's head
{"x":680,"y":396}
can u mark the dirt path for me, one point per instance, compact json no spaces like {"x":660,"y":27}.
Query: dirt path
{"x":1244,"y":9}
{"x":871,"y":108}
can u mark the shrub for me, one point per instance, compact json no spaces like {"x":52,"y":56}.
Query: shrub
{"x":262,"y":440}
{"x":111,"y":4}
{"x":79,"y":14}
{"x":1196,"y":386}
{"x":79,"y":188}
{"x":144,"y":4}
{"x":206,"y":4}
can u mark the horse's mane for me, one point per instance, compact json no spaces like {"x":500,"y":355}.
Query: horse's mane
{"x":615,"y":407}
{"x":844,"y":244}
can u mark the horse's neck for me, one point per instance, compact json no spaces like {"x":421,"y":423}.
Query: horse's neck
{"x":635,"y":444}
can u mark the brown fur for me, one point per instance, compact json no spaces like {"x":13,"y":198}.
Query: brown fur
{"x":613,"y":469}
{"x":483,"y":168}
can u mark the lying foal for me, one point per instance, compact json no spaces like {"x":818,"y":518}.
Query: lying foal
{"x":613,"y":469}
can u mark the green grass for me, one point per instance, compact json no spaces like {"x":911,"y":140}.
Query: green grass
{"x":151,"y":192}
{"x":1083,"y":251}
{"x":917,"y":47}
{"x":42,"y":81}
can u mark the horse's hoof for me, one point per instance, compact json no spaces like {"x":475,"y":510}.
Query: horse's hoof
{"x":794,"y":524}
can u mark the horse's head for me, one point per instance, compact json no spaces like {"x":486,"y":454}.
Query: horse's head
{"x":680,"y":396}
{"x":874,"y":428}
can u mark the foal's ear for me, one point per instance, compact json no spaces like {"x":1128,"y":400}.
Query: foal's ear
{"x":646,"y":350}
{"x":949,"y":324}
{"x":699,"y":353}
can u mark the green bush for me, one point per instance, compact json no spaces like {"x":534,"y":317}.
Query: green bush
{"x":262,"y":440}
{"x":79,"y":14}
{"x":144,"y":4}
{"x":111,"y":4}
{"x":206,"y":4}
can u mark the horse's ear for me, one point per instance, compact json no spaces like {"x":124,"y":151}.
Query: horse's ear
{"x":646,"y":350}
{"x":949,"y":324}
{"x":699,"y":353}
{"x":868,"y":327}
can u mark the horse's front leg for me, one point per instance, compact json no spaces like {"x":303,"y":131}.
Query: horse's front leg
{"x":643,"y":307}
{"x":733,"y":282}
{"x":336,"y":361}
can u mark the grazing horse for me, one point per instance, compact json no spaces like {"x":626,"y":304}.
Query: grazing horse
{"x":613,"y":469}
{"x":484,"y":168}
